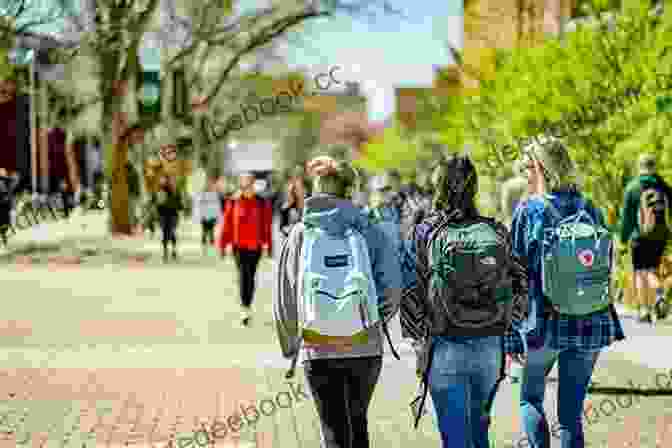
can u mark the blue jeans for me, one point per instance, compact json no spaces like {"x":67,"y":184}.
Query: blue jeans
{"x":463,"y":380}
{"x":575,"y":367}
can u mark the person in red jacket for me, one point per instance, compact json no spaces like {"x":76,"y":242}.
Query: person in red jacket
{"x":246,"y":231}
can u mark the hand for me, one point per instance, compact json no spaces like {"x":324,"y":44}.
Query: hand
{"x":267,"y":252}
{"x":535,"y":182}
{"x":321,"y":166}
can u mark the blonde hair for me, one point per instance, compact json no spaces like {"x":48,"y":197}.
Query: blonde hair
{"x":330,"y":176}
{"x":559,"y":169}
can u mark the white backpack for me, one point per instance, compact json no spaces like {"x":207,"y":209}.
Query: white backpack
{"x":338,"y":301}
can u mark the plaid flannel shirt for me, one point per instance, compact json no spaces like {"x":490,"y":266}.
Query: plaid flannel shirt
{"x":415,"y":309}
{"x":595,"y":331}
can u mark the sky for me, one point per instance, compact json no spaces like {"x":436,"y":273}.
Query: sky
{"x":391,"y":52}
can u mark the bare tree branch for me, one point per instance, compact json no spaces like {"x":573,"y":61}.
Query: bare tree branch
{"x":267,"y":34}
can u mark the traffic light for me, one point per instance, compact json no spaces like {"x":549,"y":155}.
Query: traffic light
{"x":149,"y":98}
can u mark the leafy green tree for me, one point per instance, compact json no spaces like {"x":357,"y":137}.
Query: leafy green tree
{"x":596,"y":89}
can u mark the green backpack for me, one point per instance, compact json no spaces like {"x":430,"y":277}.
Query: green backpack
{"x":471,"y":285}
{"x":576,"y":263}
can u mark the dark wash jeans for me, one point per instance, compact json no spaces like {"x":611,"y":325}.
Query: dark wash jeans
{"x":342,"y":391}
{"x":463,"y":380}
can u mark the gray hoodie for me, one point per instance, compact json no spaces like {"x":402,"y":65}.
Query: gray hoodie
{"x":288,"y":281}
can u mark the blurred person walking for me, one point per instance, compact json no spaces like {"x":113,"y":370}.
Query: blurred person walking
{"x":646,"y":221}
{"x":291,"y":209}
{"x":246,"y":232}
{"x":514,"y":192}
{"x":8,"y":185}
{"x":208,"y":206}
{"x":169,"y":203}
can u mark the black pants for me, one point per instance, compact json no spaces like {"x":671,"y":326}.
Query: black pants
{"x":342,"y":391}
{"x":168,"y":228}
{"x":208,"y":231}
{"x":647,"y":255}
{"x":247,"y":262}
{"x":5,"y":222}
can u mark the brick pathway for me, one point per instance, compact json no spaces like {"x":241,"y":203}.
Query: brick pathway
{"x":123,"y":407}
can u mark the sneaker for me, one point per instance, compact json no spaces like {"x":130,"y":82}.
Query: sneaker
{"x":645,"y":319}
{"x":174,"y":255}
{"x":660,"y":309}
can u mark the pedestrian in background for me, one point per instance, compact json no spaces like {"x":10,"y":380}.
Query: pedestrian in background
{"x":8,"y":185}
{"x":292,"y":208}
{"x":207,"y":209}
{"x":169,"y":204}
{"x":245,"y":233}
{"x":647,"y":195}
{"x":514,"y":192}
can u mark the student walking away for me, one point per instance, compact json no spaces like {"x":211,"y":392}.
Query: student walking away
{"x":470,"y":293}
{"x":416,"y":200}
{"x":134,"y":193}
{"x":569,"y":260}
{"x":8,"y":185}
{"x":386,"y":207}
{"x":169,"y":204}
{"x":207,"y":208}
{"x":336,"y":253}
{"x":246,"y":231}
{"x":646,"y":226}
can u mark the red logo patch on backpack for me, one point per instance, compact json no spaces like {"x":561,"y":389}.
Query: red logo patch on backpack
{"x":586,"y":257}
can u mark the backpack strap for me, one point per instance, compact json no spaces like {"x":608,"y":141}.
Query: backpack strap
{"x":554,"y":211}
{"x":353,"y":245}
{"x":424,"y":381}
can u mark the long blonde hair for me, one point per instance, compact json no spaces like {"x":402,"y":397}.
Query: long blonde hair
{"x":558,"y":167}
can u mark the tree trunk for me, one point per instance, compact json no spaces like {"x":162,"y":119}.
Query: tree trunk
{"x":120,"y":222}
{"x":116,"y":155}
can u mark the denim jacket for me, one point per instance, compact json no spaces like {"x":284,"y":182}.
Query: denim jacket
{"x":592,"y":332}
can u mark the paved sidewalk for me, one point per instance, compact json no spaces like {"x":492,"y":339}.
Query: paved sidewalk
{"x":86,"y":349}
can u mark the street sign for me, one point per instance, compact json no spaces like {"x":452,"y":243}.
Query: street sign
{"x":664,"y":104}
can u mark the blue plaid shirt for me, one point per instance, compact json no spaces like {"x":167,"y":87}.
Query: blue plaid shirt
{"x":596,"y":331}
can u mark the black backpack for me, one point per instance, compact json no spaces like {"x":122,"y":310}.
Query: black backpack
{"x":470,"y":285}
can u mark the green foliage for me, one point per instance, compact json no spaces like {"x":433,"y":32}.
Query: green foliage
{"x":396,"y":148}
{"x":595,"y":89}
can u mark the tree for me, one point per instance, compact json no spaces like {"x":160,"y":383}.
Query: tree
{"x":113,"y":38}
{"x":595,"y":89}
